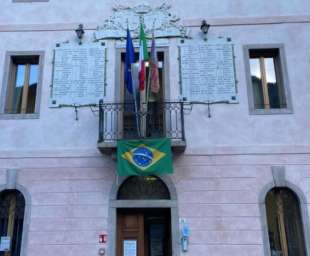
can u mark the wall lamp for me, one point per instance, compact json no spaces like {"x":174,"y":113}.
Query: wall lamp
{"x":80,"y":33}
{"x":204,"y":28}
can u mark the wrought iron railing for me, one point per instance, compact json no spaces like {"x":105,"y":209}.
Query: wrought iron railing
{"x":153,"y":120}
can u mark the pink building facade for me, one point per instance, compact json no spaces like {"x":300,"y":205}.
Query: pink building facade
{"x":228,"y":165}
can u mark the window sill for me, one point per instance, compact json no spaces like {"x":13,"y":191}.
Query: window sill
{"x":19,"y":116}
{"x":281,"y":111}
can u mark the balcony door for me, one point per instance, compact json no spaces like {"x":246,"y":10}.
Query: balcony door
{"x":163,"y":116}
{"x":145,"y":116}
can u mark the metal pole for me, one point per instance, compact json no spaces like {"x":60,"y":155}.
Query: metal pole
{"x":136,"y":109}
{"x":101,"y":121}
{"x":182,"y":120}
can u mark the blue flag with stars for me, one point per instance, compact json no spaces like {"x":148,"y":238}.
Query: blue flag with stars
{"x":129,"y":59}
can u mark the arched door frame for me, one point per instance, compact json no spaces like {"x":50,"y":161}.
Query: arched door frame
{"x":24,"y":192}
{"x":303,"y":206}
{"x":115,"y":204}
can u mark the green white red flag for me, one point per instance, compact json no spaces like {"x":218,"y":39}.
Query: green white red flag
{"x":143,"y":57}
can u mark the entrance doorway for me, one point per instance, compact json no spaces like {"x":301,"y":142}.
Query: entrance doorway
{"x":143,"y":232}
{"x":143,"y":217}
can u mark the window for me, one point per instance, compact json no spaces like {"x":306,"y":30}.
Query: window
{"x":148,"y":115}
{"x":285,"y":230}
{"x":22,"y":80}
{"x":268,"y":90}
{"x":143,"y":187}
{"x":151,"y":125}
{"x":12,"y":209}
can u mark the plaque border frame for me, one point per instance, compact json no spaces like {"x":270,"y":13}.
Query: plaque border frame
{"x":98,"y":43}
{"x":219,"y":40}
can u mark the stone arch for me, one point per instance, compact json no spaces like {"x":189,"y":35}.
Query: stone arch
{"x":286,"y":184}
{"x":283,"y":183}
{"x":115,"y":204}
{"x":165,"y":179}
{"x":146,"y":188}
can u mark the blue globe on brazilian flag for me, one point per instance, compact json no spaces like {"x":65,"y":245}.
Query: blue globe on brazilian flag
{"x":144,"y":157}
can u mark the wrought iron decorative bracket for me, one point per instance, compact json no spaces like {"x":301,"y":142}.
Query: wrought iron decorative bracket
{"x":80,"y":33}
{"x":94,"y":109}
{"x":76,"y":112}
{"x":191,"y":104}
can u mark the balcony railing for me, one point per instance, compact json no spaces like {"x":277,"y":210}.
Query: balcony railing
{"x":153,"y":120}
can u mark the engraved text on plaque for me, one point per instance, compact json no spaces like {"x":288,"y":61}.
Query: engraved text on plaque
{"x":79,"y":74}
{"x":207,"y":72}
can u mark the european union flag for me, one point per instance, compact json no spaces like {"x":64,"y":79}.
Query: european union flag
{"x":130,"y":59}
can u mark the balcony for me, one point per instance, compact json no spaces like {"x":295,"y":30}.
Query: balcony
{"x":154,"y":120}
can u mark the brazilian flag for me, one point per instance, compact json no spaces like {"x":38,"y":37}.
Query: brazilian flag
{"x":144,"y":157}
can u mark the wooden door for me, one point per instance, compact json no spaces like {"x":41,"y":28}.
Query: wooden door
{"x":143,"y":232}
{"x":130,"y":233}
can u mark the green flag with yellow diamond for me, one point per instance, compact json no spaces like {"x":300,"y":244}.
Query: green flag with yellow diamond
{"x":144,"y":157}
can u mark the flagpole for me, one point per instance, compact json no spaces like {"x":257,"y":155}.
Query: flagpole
{"x":147,"y":91}
{"x":142,"y":45}
{"x":136,"y":109}
{"x":134,"y":96}
{"x":149,"y":76}
{"x":135,"y":100}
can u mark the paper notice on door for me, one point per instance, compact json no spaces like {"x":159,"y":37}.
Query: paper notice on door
{"x":130,"y":248}
{"x":5,"y":243}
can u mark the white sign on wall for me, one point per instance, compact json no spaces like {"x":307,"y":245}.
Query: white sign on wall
{"x":79,"y":74}
{"x":207,"y":72}
{"x":130,"y":248}
{"x":5,"y":243}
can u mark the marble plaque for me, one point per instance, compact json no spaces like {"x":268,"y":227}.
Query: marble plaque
{"x":78,"y":75}
{"x":207,"y":72}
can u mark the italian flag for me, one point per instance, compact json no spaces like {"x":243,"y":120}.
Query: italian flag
{"x":143,"y":57}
